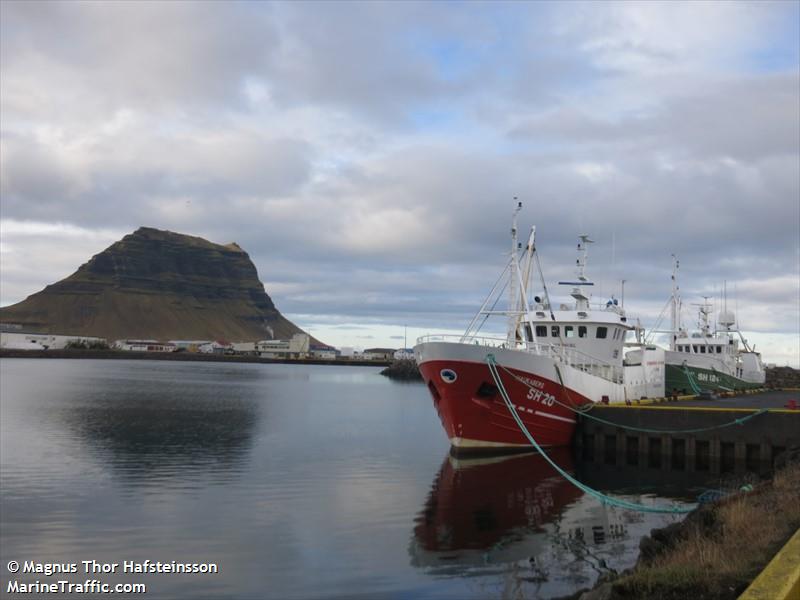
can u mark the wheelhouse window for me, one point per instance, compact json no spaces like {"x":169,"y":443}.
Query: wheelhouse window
{"x":602,"y":332}
{"x":581,"y":331}
{"x":555,"y":331}
{"x":541,"y":331}
{"x":569,"y":331}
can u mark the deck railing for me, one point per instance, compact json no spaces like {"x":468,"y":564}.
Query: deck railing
{"x":563,"y":354}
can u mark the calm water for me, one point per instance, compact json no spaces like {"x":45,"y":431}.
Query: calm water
{"x":298,"y":481}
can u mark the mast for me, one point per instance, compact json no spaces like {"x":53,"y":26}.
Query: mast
{"x":583,"y":249}
{"x":581,"y":298}
{"x":675,"y":310}
{"x":513,"y":304}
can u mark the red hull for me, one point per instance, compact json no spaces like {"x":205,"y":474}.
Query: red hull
{"x":476,"y":419}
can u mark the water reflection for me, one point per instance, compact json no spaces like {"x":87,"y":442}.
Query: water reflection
{"x":162,"y":422}
{"x":517,"y":521}
{"x":480,"y":510}
{"x":145,"y":436}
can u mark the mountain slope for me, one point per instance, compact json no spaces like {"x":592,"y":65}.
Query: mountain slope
{"x":157,"y":284}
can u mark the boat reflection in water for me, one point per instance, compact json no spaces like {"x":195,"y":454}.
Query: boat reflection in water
{"x":487,"y":505}
{"x":516,"y":516}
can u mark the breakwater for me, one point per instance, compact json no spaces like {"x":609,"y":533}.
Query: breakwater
{"x":403,"y":370}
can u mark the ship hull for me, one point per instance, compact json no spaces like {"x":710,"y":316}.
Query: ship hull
{"x":474,"y":414}
{"x":690,"y":379}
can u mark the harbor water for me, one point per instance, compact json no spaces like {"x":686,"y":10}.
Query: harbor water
{"x":295,"y":481}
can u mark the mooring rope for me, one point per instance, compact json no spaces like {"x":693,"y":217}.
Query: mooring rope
{"x":490,"y":360}
{"x":695,"y":387}
{"x":586,"y":414}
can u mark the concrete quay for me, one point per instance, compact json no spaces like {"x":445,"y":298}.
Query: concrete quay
{"x":751,"y":445}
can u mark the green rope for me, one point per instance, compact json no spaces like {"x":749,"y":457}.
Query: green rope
{"x":585,"y":413}
{"x":585,"y":488}
{"x":695,"y":388}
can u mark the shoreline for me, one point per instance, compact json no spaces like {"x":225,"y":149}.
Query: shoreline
{"x":184,"y":357}
{"x":720,"y":549}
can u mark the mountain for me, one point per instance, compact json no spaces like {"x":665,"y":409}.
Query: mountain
{"x":161,"y":285}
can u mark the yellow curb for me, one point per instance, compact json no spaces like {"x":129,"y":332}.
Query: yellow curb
{"x":780,"y":579}
{"x":700,"y":408}
{"x":648,"y":401}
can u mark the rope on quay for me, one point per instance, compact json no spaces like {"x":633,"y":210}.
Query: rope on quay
{"x":490,"y":360}
{"x":587,"y":415}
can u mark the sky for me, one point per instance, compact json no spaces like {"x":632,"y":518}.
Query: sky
{"x":367,"y":154}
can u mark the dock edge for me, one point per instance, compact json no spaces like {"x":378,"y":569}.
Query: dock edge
{"x":780,"y":579}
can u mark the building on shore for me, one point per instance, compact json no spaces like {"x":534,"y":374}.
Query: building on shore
{"x":189,"y":345}
{"x":216,"y":347}
{"x":324,"y":352}
{"x":378,"y":354}
{"x":296,"y":347}
{"x":21,"y":340}
{"x":245,"y":348}
{"x":144,"y":346}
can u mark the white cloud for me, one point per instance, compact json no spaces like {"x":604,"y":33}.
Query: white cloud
{"x":34,"y":254}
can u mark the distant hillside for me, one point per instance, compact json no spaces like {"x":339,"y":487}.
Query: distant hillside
{"x":157,"y":284}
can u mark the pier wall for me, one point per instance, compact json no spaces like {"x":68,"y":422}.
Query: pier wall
{"x":750,"y":446}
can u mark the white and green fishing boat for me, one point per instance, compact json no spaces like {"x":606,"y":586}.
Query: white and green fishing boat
{"x":717,"y":359}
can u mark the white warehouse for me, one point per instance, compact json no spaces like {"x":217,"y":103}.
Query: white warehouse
{"x":20,"y":340}
{"x":297,"y":347}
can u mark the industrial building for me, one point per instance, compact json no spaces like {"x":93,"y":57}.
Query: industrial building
{"x":297,"y":347}
{"x":144,"y":346}
{"x":21,"y":340}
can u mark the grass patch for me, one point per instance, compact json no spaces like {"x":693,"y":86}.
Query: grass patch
{"x":720,"y":552}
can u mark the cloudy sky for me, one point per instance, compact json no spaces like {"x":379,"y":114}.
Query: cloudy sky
{"x":366,"y":155}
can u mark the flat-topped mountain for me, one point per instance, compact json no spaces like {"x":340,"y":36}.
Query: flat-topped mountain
{"x":160,"y":285}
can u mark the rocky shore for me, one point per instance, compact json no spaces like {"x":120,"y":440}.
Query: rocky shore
{"x":783,"y":377}
{"x":403,"y":370}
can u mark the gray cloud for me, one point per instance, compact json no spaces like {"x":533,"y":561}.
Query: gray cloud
{"x":366,"y":154}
